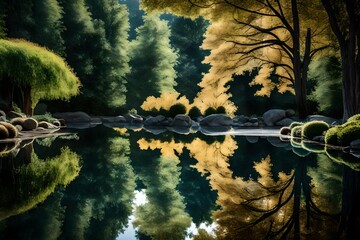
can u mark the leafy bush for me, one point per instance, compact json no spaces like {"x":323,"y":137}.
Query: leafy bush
{"x":314,"y":128}
{"x":221,"y":109}
{"x":210,"y":111}
{"x":194,"y":112}
{"x":177,"y":109}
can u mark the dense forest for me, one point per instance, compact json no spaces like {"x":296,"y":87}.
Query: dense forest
{"x":149,"y":56}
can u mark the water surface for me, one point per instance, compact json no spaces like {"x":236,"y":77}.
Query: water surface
{"x":105,"y":183}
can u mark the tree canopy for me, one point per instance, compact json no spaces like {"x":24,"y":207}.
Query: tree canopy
{"x":279,"y":39}
{"x":38,"y":72}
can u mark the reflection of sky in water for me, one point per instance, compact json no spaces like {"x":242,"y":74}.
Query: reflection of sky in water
{"x":140,"y":199}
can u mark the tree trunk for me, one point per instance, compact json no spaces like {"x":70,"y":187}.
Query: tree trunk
{"x":300,"y":82}
{"x":27,"y":103}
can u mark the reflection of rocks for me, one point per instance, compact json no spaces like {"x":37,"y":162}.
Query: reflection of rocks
{"x":132,"y":118}
{"x":252,"y":139}
{"x":117,"y":119}
{"x":355,"y":144}
{"x":276,"y":142}
{"x":159,"y":120}
{"x":182,"y":120}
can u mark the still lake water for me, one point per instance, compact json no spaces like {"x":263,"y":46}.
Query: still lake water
{"x":103,"y":183}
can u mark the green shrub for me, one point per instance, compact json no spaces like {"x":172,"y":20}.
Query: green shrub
{"x":176,"y":109}
{"x":210,"y":111}
{"x":314,"y":128}
{"x":295,"y":124}
{"x":194,"y":112}
{"x":221,"y":109}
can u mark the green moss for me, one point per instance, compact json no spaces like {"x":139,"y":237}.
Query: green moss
{"x":331,"y":136}
{"x":295,"y":124}
{"x":354,"y":118}
{"x":314,"y":128}
{"x":348,"y":133}
{"x":296,"y":132}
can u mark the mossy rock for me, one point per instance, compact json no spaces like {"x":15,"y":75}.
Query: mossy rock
{"x":354,"y":118}
{"x":313,"y":147}
{"x":331,"y":136}
{"x":314,"y":128}
{"x":4,"y":133}
{"x":295,"y":124}
{"x":13,"y":131}
{"x":296,"y":132}
{"x":343,"y":158}
{"x":349,"y":133}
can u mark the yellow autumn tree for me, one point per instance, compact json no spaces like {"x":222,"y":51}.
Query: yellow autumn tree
{"x":276,"y":38}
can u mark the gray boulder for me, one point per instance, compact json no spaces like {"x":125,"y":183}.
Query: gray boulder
{"x":241,"y":119}
{"x":13,"y":114}
{"x":284,"y":122}
{"x":182,"y":120}
{"x":216,"y":120}
{"x":73,"y":116}
{"x":252,"y":139}
{"x":273,"y":115}
{"x":290,"y":113}
{"x":328,"y":120}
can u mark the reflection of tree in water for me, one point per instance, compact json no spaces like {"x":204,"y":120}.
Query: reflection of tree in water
{"x":27,"y":185}
{"x":295,"y":205}
{"x":41,"y":223}
{"x":163,"y":216}
{"x":101,"y":197}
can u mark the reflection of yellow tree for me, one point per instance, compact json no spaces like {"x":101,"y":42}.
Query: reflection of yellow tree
{"x":35,"y":181}
{"x":265,"y":208}
{"x":164,"y":216}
